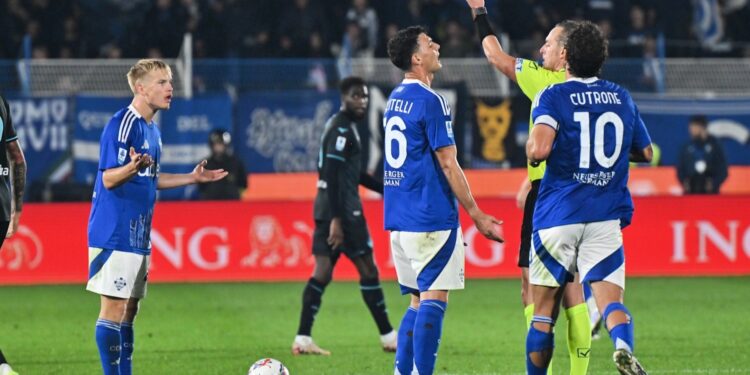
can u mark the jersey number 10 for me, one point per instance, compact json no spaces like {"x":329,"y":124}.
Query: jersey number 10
{"x":605,"y":161}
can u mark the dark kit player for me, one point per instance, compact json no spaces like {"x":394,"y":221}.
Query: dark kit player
{"x":340,"y":225}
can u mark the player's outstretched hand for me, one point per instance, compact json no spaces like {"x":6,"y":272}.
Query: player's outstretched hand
{"x":335,"y":234}
{"x":475,"y":3}
{"x":487,"y":225}
{"x":201,"y":174}
{"x":140,"y":161}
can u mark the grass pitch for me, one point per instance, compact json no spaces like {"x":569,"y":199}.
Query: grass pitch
{"x":683,"y":326}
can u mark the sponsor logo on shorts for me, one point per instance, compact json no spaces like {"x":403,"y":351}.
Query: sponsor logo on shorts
{"x":120,"y":283}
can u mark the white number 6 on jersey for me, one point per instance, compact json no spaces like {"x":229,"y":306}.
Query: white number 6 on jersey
{"x":394,"y":132}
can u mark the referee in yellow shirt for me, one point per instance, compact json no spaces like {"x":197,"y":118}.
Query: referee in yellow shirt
{"x":532,"y":78}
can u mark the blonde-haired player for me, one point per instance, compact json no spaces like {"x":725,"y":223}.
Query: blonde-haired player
{"x":119,"y":230}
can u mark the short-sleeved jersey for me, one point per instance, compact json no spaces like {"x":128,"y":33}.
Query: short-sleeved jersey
{"x":417,"y":196}
{"x":597,"y":124}
{"x":532,"y":78}
{"x":340,"y":141}
{"x":8,"y":134}
{"x":120,"y":217}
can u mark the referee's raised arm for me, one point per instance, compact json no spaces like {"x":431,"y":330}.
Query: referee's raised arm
{"x":494,"y":52}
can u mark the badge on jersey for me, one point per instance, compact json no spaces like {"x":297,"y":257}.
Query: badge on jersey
{"x":340,"y":143}
{"x":519,"y":65}
{"x":449,"y":128}
{"x":121,"y":154}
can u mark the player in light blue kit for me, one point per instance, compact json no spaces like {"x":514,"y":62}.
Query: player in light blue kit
{"x":586,"y":129}
{"x":422,"y":181}
{"x":119,"y":231}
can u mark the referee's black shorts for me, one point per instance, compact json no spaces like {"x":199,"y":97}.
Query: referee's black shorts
{"x":526,"y":227}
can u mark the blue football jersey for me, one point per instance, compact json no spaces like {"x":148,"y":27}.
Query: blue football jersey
{"x":120,"y":218}
{"x":597,"y":125}
{"x":417,"y":196}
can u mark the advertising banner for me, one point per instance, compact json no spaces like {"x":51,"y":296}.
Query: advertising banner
{"x":184,"y":130}
{"x":280,"y":131}
{"x":265,"y":241}
{"x":728,"y":120}
{"x":42,"y":125}
{"x":91,"y":116}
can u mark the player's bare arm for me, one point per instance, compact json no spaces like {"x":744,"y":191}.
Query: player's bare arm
{"x":540,"y":142}
{"x":371,"y":183}
{"x":335,"y":233}
{"x":523,"y":192}
{"x":335,"y":229}
{"x":199,"y":175}
{"x":18,"y":168}
{"x":115,"y":177}
{"x":457,"y":181}
{"x":642,"y":156}
{"x":494,"y":52}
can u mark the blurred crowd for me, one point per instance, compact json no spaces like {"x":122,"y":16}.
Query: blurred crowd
{"x":334,"y":28}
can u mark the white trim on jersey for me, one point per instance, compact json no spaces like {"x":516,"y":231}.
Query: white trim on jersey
{"x":127,"y":123}
{"x":443,"y":104}
{"x":583,"y":80}
{"x":546,"y":120}
{"x":125,"y":126}
{"x":132,"y":109}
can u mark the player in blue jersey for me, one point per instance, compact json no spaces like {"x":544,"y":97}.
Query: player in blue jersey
{"x":422,"y":181}
{"x":531,"y":78}
{"x":586,"y":129}
{"x":119,"y":232}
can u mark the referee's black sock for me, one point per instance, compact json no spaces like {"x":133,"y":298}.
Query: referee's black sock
{"x":372,"y":293}
{"x":311,"y":300}
{"x":2,"y":358}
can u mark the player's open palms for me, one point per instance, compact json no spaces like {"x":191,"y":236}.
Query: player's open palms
{"x":140,"y":160}
{"x":487,"y":226}
{"x":475,"y":3}
{"x":202,"y":174}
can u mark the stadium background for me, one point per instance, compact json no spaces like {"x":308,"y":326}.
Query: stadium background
{"x":267,"y":70}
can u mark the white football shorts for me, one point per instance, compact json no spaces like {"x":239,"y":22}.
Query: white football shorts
{"x":118,"y":274}
{"x":428,"y":260}
{"x":593,"y":249}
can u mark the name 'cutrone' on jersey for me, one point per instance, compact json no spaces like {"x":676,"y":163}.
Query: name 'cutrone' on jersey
{"x":597,"y":125}
{"x":340,"y":141}
{"x":417,"y":121}
{"x":121,"y":217}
